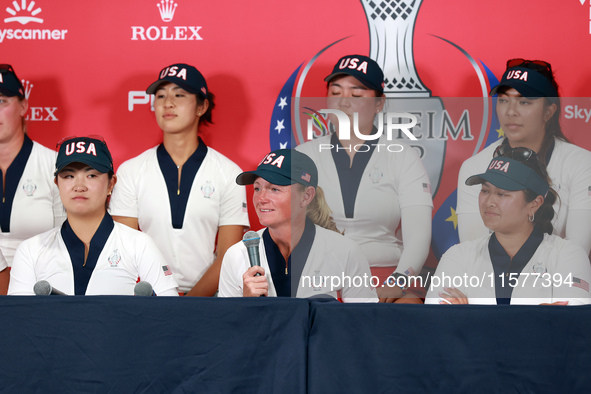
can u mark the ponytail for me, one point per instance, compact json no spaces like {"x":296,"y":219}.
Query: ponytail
{"x":319,"y":212}
{"x":545,"y":213}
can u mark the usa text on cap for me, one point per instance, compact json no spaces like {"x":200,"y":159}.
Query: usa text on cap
{"x":87,"y":150}
{"x":283,"y":167}
{"x":183,"y":75}
{"x":529,"y":83}
{"x":363,"y":68}
{"x":509,"y":174}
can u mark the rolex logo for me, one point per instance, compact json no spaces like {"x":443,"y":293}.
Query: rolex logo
{"x":22,"y":13}
{"x":167,"y":8}
{"x":37,"y":114}
{"x":166,"y":33}
{"x":28,"y":87}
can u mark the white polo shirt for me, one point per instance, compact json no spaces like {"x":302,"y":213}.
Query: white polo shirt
{"x":390,"y":182}
{"x":331,"y":259}
{"x":214,"y":200}
{"x":36,"y":205}
{"x":542,"y":280}
{"x":569,"y":170}
{"x":122,"y":256}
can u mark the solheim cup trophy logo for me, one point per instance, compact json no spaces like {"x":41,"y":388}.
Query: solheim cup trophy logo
{"x":391,"y":27}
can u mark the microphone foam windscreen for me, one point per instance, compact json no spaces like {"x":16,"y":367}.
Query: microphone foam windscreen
{"x":143,"y":289}
{"x":42,"y":288}
{"x":251,"y":238}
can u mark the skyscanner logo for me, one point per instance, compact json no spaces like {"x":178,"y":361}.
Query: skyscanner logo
{"x":24,"y":12}
{"x":27,"y":13}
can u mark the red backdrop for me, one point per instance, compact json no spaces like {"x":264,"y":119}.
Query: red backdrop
{"x":82,"y":77}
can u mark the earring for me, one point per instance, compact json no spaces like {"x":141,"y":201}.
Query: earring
{"x":532,"y":217}
{"x":198,"y":113}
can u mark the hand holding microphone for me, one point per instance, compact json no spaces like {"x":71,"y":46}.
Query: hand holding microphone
{"x":254,"y":282}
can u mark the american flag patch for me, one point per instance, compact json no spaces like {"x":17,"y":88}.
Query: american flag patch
{"x":580,"y":283}
{"x":307,"y":177}
{"x":166,"y":270}
{"x":244,"y":208}
{"x":410,"y":272}
{"x":427,"y":187}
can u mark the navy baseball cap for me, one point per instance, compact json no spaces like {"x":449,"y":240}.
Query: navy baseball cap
{"x":365,"y":69}
{"x":283,"y":167}
{"x":529,"y":83}
{"x":509,"y":174}
{"x":185,"y":76}
{"x":87,"y":150}
{"x":10,"y":85}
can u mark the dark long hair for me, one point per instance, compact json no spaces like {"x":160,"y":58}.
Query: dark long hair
{"x":206,"y":117}
{"x":553,"y":128}
{"x":544,"y":214}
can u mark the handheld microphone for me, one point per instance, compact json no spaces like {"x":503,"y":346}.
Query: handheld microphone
{"x":143,"y":289}
{"x":251,"y":240}
{"x":44,"y":288}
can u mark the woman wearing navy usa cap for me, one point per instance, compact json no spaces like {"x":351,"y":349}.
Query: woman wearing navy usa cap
{"x":521,"y":262}
{"x":302,"y":254}
{"x":182,"y":192}
{"x":89,"y":254}
{"x":30,"y":199}
{"x":529,"y":111}
{"x":381,"y":199}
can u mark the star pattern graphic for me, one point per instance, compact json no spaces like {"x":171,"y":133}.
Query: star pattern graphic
{"x":283,"y":102}
{"x":279,"y":126}
{"x":500,"y":132}
{"x":453,"y":218}
{"x":281,"y":123}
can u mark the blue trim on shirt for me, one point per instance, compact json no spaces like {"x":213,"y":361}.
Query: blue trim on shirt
{"x":504,"y":265}
{"x":284,"y":283}
{"x":13,"y":177}
{"x":300,"y":254}
{"x":83,"y":272}
{"x":350,"y":174}
{"x":178,"y":197}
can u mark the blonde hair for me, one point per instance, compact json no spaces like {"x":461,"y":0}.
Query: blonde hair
{"x":319,"y":212}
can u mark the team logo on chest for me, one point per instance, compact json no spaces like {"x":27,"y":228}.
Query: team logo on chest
{"x":376,"y":175}
{"x":115,"y":258}
{"x":539,"y":268}
{"x":207,"y":189}
{"x":29,"y":188}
